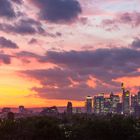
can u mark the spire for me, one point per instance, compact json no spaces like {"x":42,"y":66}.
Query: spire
{"x":122,"y":85}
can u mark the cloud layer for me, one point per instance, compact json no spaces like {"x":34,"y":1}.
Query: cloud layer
{"x":75,"y":68}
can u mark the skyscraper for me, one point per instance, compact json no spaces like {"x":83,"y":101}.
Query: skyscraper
{"x":99,"y":104}
{"x":125,"y":100}
{"x":88,"y":104}
{"x":69,"y":108}
{"x":107,"y":105}
{"x":134,"y":102}
{"x":115,"y":99}
{"x":138,"y":98}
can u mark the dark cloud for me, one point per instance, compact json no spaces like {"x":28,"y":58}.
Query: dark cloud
{"x":6,"y":9}
{"x":24,"y":27}
{"x":6,"y":43}
{"x":105,"y":65}
{"x":58,"y":11}
{"x":136,"y":43}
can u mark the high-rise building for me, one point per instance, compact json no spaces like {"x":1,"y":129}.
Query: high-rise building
{"x":115,"y":99}
{"x":125,"y":100}
{"x":107,"y":105}
{"x":88,"y":104}
{"x":99,"y":104}
{"x":69,"y":108}
{"x":138,"y":98}
{"x":134,"y":102}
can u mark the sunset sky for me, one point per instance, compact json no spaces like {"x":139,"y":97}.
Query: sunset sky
{"x":54,"y":51}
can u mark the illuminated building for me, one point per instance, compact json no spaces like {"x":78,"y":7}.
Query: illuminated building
{"x":138,"y":98}
{"x":134,"y":103}
{"x":115,"y":99}
{"x":88,"y":104}
{"x":107,"y":105}
{"x":69,"y":108}
{"x":99,"y":104}
{"x":125,"y":101}
{"x":77,"y":110}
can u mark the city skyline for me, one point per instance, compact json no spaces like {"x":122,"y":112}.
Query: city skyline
{"x":53,"y":51}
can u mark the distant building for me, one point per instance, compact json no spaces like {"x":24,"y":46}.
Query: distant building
{"x":78,"y":110}
{"x":134,"y":103}
{"x":69,"y":108}
{"x":6,"y":110}
{"x":115,"y":99}
{"x":137,"y":111}
{"x":22,"y":109}
{"x":138,"y":98}
{"x":88,"y":104}
{"x":126,"y":102}
{"x":119,"y":108}
{"x":99,"y":104}
{"x":50,"y":111}
{"x":107,"y":105}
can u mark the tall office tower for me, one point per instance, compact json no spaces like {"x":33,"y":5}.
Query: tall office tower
{"x":69,"y":108}
{"x":115,"y":99}
{"x":107,"y":105}
{"x":99,"y":104}
{"x":88,"y":104}
{"x":138,"y":98}
{"x":134,"y":103}
{"x":125,"y":101}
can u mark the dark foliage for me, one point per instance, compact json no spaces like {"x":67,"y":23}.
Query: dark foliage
{"x":71,"y":128}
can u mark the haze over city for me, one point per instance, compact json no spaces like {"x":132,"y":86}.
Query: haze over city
{"x":54,"y":51}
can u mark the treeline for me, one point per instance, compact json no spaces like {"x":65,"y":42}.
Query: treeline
{"x":71,"y":128}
